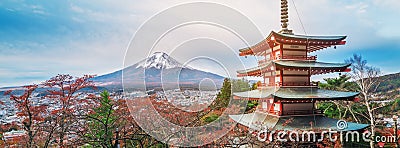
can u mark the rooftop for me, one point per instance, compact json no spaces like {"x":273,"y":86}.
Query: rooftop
{"x":297,"y":93}
{"x":259,"y":120}
{"x":313,"y":43}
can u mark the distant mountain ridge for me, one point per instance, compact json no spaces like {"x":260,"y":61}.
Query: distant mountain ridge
{"x":159,"y":70}
{"x":390,"y":85}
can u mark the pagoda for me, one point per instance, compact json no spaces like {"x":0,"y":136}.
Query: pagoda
{"x":287,"y":93}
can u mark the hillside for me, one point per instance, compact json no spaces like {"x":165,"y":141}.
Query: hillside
{"x":389,"y":82}
{"x":390,"y":85}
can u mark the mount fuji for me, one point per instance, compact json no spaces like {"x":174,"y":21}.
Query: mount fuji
{"x":159,"y":70}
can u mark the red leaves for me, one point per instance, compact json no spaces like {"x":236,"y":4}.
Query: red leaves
{"x":8,"y":92}
{"x":54,"y":112}
{"x":63,"y":90}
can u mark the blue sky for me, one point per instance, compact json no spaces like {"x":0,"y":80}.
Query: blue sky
{"x":39,"y":39}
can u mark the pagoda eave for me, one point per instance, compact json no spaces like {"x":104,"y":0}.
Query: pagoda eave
{"x":297,"y":94}
{"x":312,"y":99}
{"x":314,"y":67}
{"x":258,"y":121}
{"x":313,"y":43}
{"x":308,"y":93}
{"x":322,"y":39}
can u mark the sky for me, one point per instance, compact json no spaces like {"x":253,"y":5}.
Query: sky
{"x":40,"y":39}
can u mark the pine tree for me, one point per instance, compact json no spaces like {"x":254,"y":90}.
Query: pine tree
{"x":224,"y":95}
{"x":101,"y":122}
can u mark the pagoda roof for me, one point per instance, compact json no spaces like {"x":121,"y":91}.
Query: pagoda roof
{"x":258,"y":93}
{"x":309,"y":64}
{"x":314,"y":66}
{"x":309,"y":37}
{"x":257,"y":69}
{"x":313,"y":43}
{"x":259,"y":120}
{"x":297,"y":93}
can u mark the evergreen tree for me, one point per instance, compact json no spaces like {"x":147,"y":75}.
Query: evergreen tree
{"x":226,"y":89}
{"x":240,"y":85}
{"x":224,"y":95}
{"x":341,"y":84}
{"x":101,"y":123}
{"x":338,"y":109}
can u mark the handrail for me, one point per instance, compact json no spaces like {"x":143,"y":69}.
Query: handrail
{"x":297,"y":84}
{"x":296,"y":57}
{"x":288,"y":84}
{"x":302,"y":112}
{"x":288,"y":57}
{"x":278,"y":84}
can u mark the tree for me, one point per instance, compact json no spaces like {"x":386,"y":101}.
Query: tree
{"x":223,"y":97}
{"x":110,"y":123}
{"x":367,"y":79}
{"x":396,"y":105}
{"x":254,"y":86}
{"x":210,"y":118}
{"x":32,"y":114}
{"x":341,"y":108}
{"x":240,"y":85}
{"x":228,"y":87}
{"x":101,"y":123}
{"x":341,"y":84}
{"x":67,"y":92}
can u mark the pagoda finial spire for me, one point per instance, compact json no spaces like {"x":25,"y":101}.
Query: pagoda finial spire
{"x":285,"y":18}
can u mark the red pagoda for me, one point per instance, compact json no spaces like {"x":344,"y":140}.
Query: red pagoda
{"x":287,"y":91}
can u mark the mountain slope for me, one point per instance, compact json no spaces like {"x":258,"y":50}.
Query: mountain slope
{"x":158,"y":71}
{"x":390,"y":86}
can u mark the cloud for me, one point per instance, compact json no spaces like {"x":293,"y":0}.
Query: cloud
{"x":45,"y":38}
{"x":360,"y":7}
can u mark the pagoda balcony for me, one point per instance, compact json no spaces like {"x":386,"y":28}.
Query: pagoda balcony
{"x":294,"y":112}
{"x":297,"y":84}
{"x":288,"y":57}
{"x":295,"y":57}
{"x":289,"y":84}
{"x":301,"y":112}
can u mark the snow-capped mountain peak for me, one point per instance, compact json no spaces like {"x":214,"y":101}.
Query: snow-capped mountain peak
{"x":159,"y":60}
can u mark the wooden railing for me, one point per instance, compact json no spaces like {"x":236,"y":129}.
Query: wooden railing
{"x":296,"y":57}
{"x":297,"y":84}
{"x":288,"y":57}
{"x":302,"y":112}
{"x":262,"y":85}
{"x":292,"y":112}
